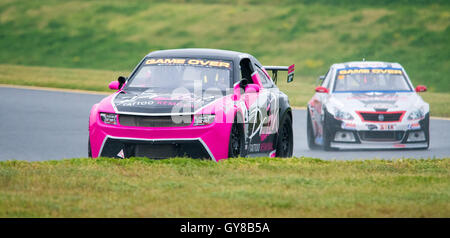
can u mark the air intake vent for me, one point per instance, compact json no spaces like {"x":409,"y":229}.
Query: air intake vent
{"x":381,"y":135}
{"x":155,"y":121}
{"x":381,"y":116}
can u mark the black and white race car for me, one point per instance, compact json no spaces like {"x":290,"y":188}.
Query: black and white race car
{"x":367,"y":105}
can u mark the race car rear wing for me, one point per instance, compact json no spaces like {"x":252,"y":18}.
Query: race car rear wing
{"x":275,"y":70}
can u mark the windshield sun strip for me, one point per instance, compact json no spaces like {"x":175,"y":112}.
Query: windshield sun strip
{"x":371,"y":68}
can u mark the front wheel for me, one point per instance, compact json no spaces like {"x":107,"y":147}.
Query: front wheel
{"x":236,"y":144}
{"x":310,"y":133}
{"x":427,"y":130}
{"x":89,"y":148}
{"x":285,"y":140}
{"x":326,"y":135}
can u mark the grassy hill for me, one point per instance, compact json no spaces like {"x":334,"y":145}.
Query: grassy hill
{"x":114,"y":35}
{"x":251,"y":187}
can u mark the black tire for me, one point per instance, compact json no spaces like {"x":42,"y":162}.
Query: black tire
{"x":310,"y":133}
{"x":326,"y":134}
{"x":285,"y":138}
{"x":89,"y":148}
{"x":427,"y":130}
{"x":236,"y":144}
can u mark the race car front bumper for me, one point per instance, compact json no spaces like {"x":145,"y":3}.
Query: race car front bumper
{"x":207,"y":141}
{"x":378,"y":145}
{"x":361,"y":135}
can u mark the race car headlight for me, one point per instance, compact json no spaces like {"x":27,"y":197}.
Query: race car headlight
{"x":416,"y":115}
{"x":108,"y":118}
{"x":203,"y":119}
{"x":342,"y":115}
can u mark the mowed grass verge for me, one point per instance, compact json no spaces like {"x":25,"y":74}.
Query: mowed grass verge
{"x":251,"y":187}
{"x":299,"y":91}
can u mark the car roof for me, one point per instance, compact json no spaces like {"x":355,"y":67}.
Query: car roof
{"x":368,"y":64}
{"x":199,"y":52}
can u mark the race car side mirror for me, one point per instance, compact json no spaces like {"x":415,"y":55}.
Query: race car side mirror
{"x":252,"y":88}
{"x":321,"y":89}
{"x":114,"y":85}
{"x":421,"y":88}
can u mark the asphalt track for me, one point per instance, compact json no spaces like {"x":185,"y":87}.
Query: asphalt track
{"x":47,"y":125}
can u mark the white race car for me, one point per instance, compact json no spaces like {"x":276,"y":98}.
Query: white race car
{"x":367,"y":105}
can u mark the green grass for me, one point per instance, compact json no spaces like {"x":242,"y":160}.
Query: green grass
{"x":299,"y":91}
{"x":115,"y":35}
{"x":253,"y":187}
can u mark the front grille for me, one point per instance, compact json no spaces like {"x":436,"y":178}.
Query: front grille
{"x":155,"y":121}
{"x":381,"y":135}
{"x":381,"y":117}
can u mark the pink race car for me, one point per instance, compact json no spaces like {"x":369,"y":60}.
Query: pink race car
{"x":199,"y":103}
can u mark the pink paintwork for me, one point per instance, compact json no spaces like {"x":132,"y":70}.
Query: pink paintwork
{"x":256,"y":79}
{"x":252,"y":88}
{"x":236,"y":92}
{"x":114,"y":85}
{"x":215,"y":136}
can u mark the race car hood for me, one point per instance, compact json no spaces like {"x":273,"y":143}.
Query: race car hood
{"x":377,"y":101}
{"x":150,"y":101}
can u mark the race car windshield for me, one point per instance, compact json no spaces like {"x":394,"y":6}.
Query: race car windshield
{"x":165,"y":73}
{"x":371,"y":79}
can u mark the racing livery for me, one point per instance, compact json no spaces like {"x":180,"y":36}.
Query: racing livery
{"x":367,"y":105}
{"x":200,"y":103}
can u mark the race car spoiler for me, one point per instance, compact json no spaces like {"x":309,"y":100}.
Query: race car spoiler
{"x":275,"y":70}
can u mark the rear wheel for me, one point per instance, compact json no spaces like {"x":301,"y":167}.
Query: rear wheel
{"x":236,"y":145}
{"x":285,"y":138}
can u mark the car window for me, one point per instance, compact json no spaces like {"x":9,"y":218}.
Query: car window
{"x":371,"y":79}
{"x":266,"y":82}
{"x":327,"y":81}
{"x":171,"y":73}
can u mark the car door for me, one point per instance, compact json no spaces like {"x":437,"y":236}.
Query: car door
{"x":268,"y":110}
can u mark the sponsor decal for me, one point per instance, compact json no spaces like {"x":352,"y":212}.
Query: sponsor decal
{"x":381,"y":106}
{"x":254,"y":148}
{"x":372,"y":127}
{"x":384,"y":127}
{"x":291,"y":70}
{"x":368,"y":71}
{"x":266,"y":146}
{"x":197,"y":62}
{"x":381,"y":127}
{"x":264,"y":136}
